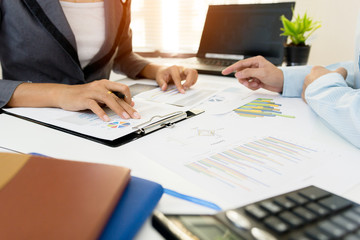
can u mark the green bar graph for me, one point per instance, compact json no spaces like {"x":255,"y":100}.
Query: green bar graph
{"x":261,"y":107}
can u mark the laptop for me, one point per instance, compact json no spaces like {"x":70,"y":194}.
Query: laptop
{"x":235,"y":32}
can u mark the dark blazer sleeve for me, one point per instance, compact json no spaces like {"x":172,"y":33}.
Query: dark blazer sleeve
{"x":7,"y":87}
{"x":126,"y":61}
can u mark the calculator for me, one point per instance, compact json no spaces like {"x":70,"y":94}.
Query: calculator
{"x":307,"y":213}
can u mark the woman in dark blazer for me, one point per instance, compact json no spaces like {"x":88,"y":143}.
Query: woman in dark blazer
{"x":41,"y":66}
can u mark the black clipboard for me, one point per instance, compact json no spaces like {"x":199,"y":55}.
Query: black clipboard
{"x":141,"y":130}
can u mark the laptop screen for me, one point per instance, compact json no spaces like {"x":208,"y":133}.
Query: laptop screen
{"x":244,"y":30}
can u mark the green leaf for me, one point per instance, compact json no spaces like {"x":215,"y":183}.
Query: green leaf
{"x":299,"y":29}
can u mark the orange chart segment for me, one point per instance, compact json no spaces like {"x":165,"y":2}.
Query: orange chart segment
{"x":261,"y":107}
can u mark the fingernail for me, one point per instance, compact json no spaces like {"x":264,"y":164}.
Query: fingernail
{"x":136,"y":115}
{"x":106,"y":118}
{"x":125,"y":115}
{"x":182,"y":90}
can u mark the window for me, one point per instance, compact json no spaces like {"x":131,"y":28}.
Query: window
{"x":172,"y":26}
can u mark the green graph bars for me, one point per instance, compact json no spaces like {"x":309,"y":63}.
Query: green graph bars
{"x":261,"y":107}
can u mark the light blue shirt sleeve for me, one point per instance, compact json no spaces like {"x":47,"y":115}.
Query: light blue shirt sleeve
{"x":338,"y":104}
{"x":294,"y":77}
{"x":332,"y":98}
{"x":294,"y":80}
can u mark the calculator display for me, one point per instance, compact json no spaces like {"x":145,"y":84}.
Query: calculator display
{"x":203,"y":227}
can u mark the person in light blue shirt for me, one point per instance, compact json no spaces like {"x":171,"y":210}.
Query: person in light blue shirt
{"x":332,"y":92}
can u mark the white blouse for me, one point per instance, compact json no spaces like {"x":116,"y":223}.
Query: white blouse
{"x":87,"y":21}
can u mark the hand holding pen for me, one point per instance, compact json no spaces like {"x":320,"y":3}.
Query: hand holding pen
{"x":96,"y":95}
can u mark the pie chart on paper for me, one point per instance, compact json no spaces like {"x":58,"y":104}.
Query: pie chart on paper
{"x":118,"y":124}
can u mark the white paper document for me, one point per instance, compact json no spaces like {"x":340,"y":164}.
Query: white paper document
{"x":244,"y":156}
{"x":88,"y":123}
{"x":214,"y":98}
{"x":244,"y":171}
{"x":225,"y":100}
{"x":172,"y":96}
{"x":152,"y":105}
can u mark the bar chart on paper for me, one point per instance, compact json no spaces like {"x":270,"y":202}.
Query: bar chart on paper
{"x":254,"y":165}
{"x":173,"y":96}
{"x":261,"y":107}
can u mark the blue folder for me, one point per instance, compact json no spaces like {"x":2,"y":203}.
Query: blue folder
{"x":136,"y":205}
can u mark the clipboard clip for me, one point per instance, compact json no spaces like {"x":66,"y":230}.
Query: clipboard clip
{"x":167,"y":120}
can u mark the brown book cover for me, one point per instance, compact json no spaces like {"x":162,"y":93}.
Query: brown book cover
{"x":47,"y":198}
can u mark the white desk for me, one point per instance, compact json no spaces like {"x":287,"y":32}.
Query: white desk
{"x":28,"y":137}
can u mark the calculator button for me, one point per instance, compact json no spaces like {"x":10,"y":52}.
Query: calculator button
{"x":276,"y":224}
{"x":331,"y":229}
{"x":316,"y":234}
{"x":238,"y":220}
{"x":256,"y":212}
{"x":260,"y":234}
{"x":295,"y":197}
{"x":270,"y":207}
{"x":317,"y":209}
{"x":284,"y":202}
{"x":335,"y":203}
{"x":314,"y":193}
{"x":299,"y":237}
{"x":291,"y":219}
{"x":352,"y":216}
{"x":304,"y":214}
{"x":357,"y":209}
{"x":344,"y":223}
{"x":352,"y":237}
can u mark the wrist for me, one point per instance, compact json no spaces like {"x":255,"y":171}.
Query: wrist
{"x":56,"y":94}
{"x":150,"y":71}
{"x":36,"y":95}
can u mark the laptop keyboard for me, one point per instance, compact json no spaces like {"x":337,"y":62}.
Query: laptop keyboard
{"x":209,"y":61}
{"x":216,"y":62}
{"x":308,"y":213}
{"x":207,"y":66}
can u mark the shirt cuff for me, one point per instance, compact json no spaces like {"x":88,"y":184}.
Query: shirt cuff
{"x":294,"y":80}
{"x":323,"y":82}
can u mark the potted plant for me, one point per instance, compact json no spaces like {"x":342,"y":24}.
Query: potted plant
{"x":298,"y":31}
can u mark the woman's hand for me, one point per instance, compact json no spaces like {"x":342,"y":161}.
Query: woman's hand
{"x":93,"y":96}
{"x":96,"y":94}
{"x":174,"y":74}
